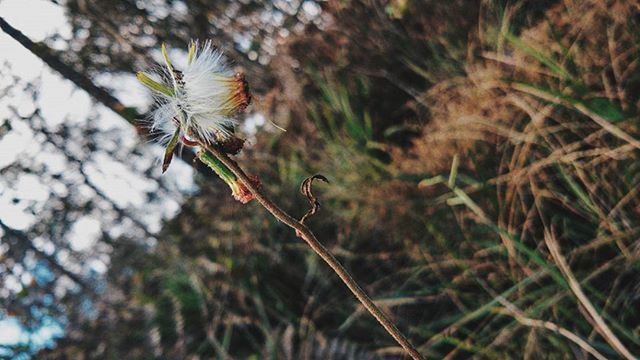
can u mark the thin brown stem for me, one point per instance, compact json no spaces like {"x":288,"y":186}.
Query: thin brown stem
{"x":308,"y":236}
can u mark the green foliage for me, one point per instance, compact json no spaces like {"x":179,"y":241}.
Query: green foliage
{"x":605,"y":108}
{"x":345,"y":128}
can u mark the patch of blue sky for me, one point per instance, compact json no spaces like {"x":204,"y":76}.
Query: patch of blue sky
{"x":14,"y":334}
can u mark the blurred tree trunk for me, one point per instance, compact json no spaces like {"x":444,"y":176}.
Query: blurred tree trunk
{"x":50,"y":58}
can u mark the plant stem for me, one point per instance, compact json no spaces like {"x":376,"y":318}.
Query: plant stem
{"x":308,"y":236}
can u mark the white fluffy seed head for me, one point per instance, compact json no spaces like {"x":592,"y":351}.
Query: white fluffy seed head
{"x":207,"y":100}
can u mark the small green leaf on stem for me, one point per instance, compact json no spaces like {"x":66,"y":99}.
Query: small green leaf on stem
{"x":165,"y":55}
{"x":168,"y":153}
{"x":238,"y":189}
{"x":167,"y":62}
{"x":154,"y":85}
{"x":192,"y":52}
{"x":217,"y":166}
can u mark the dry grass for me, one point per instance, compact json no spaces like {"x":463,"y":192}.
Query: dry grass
{"x":546,"y":154}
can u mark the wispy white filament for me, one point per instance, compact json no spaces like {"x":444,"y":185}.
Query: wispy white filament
{"x":162,"y":120}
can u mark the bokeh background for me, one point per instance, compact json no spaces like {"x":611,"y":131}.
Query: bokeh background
{"x":483,"y":159}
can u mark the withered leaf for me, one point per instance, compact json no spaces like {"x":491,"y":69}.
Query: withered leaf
{"x":306,"y":190}
{"x":168,"y":153}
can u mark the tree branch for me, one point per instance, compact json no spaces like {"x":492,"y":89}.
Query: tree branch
{"x":48,"y":56}
{"x":24,"y":239}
